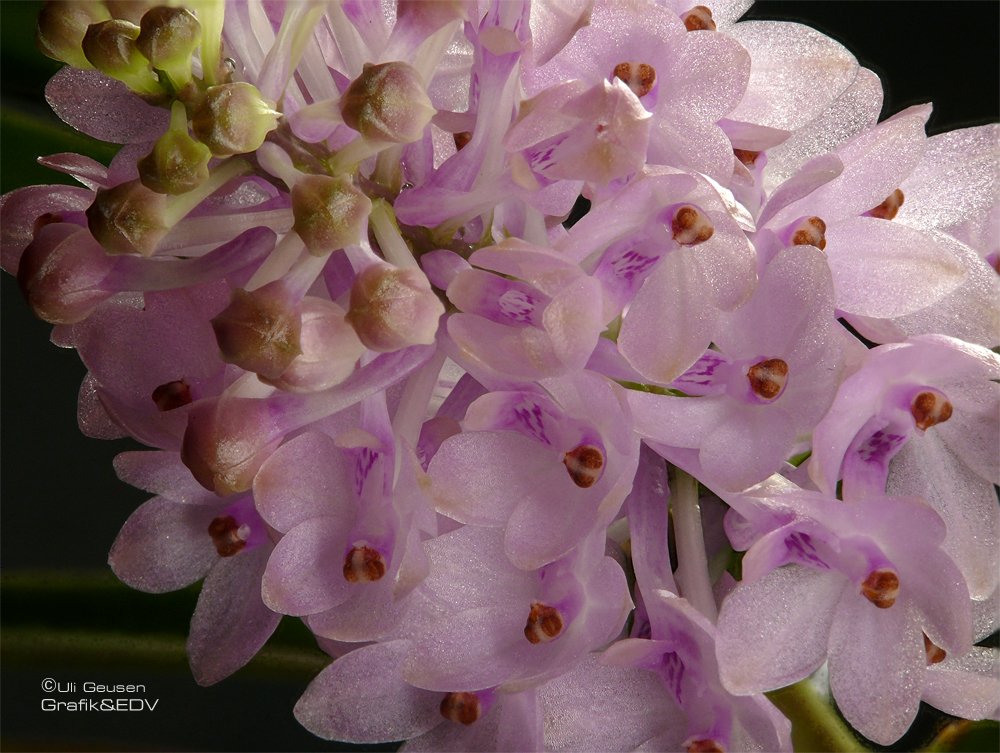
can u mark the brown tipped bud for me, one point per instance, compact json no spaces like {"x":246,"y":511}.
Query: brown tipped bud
{"x":61,"y":273}
{"x":392,"y":308}
{"x":809,"y":231}
{"x":881,"y":588}
{"x":168,"y":36}
{"x":768,"y":378}
{"x":889,"y":208}
{"x":639,"y":77}
{"x":227,"y":440}
{"x":172,"y":395}
{"x":233,"y":119}
{"x":462,"y":708}
{"x":128,"y":219}
{"x":363,"y":564}
{"x":228,"y":535}
{"x":699,"y":18}
{"x":330,"y":349}
{"x":176,"y":165}
{"x":585,"y":465}
{"x":388,"y":103}
{"x":930,"y":407}
{"x":259,"y":330}
{"x":110,"y":47}
{"x":544,"y":623}
{"x":690,"y":226}
{"x":62,"y":24}
{"x":330,"y":212}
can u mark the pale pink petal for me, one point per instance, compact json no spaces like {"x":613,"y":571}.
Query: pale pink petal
{"x":230,"y":623}
{"x":774,"y":632}
{"x":967,"y":686}
{"x":882,"y":269}
{"x":362,"y":698}
{"x":164,"y":546}
{"x":305,"y":573}
{"x":877,"y":666}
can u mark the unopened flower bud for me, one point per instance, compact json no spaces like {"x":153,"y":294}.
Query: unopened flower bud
{"x":178,"y":163}
{"x":128,"y":219}
{"x":111,"y":49}
{"x":62,"y":25}
{"x":388,"y":103}
{"x":233,"y":119}
{"x":259,"y":330}
{"x":392,"y":308}
{"x":330,"y":349}
{"x":330,"y":212}
{"x":61,"y":271}
{"x":168,"y":35}
{"x":227,"y":440}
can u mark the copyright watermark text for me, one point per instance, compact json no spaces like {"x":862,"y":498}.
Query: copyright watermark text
{"x":95,"y":696}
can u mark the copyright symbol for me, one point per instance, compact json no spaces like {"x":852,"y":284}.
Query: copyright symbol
{"x":48,"y":684}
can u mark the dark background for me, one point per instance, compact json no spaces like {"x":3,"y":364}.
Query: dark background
{"x":62,"y":505}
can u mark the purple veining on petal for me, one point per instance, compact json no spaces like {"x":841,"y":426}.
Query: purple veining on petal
{"x":801,"y":549}
{"x":880,"y":446}
{"x":531,"y":416}
{"x":672,"y":671}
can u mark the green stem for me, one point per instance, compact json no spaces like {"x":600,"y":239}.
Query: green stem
{"x":816,"y":726}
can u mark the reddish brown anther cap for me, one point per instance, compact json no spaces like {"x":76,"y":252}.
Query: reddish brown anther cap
{"x":363,"y":564}
{"x":639,"y":77}
{"x":881,"y":588}
{"x":699,"y":18}
{"x":888,"y":208}
{"x":929,"y":408}
{"x":544,"y":623}
{"x":463,"y":708}
{"x":768,"y":378}
{"x":172,"y":395}
{"x":225,"y":533}
{"x":810,"y":232}
{"x":584,"y":464}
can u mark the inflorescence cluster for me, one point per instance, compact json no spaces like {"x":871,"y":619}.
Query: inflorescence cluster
{"x":390,"y":391}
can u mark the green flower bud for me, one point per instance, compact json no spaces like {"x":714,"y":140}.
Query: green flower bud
{"x":388,"y":103}
{"x":329,"y":212}
{"x":62,"y":25}
{"x":128,"y":219}
{"x":233,"y":119}
{"x":259,"y":330}
{"x":168,"y":38}
{"x":393,"y":308}
{"x":110,"y":48}
{"x":177,"y":163}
